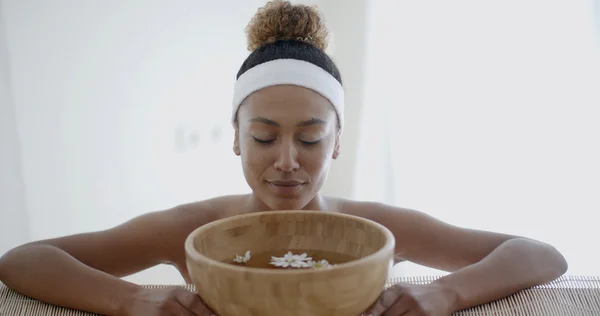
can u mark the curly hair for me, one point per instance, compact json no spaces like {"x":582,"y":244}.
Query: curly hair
{"x":281,"y":30}
{"x":280,"y":20}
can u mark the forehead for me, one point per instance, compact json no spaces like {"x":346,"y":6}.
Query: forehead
{"x":286,"y":103}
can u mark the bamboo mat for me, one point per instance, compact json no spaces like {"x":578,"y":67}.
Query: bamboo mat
{"x":568,"y":295}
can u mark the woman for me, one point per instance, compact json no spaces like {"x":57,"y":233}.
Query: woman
{"x":288,"y":119}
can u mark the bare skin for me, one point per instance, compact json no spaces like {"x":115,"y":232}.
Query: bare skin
{"x":286,"y":138}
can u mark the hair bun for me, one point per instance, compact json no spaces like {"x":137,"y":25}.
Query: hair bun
{"x":281,"y":20}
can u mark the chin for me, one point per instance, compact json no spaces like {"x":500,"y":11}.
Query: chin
{"x":278,"y":204}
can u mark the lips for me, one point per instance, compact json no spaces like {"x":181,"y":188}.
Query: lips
{"x":285,"y":187}
{"x":286,"y":183}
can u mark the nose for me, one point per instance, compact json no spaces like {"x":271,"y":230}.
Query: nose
{"x":287,"y":157}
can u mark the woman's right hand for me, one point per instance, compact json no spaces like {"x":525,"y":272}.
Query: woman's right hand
{"x":170,"y":301}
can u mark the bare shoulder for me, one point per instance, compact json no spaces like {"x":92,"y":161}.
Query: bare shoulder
{"x":424,"y":239}
{"x":205,"y":211}
{"x":185,"y":218}
{"x":372,"y":210}
{"x":405,"y":221}
{"x":400,"y":220}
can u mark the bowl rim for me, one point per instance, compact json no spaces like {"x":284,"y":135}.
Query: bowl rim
{"x":192,"y":253}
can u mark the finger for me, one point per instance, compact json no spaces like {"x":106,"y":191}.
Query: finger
{"x":177,"y":309}
{"x":384,"y":302}
{"x":401,"y":307}
{"x":193,"y":303}
{"x":411,"y":313}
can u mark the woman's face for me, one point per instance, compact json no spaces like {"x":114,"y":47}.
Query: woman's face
{"x":286,"y":137}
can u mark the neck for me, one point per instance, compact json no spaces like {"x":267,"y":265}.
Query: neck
{"x":254,"y":204}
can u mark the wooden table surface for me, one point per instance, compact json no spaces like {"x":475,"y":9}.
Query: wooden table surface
{"x":568,"y":295}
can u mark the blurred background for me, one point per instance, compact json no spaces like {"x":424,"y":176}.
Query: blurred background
{"x":485,"y":114}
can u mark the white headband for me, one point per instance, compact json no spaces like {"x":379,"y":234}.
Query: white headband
{"x":289,"y":71}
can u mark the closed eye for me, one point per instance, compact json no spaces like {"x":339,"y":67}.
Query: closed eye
{"x":311,"y":143}
{"x":262,"y":141}
{"x":268,"y":141}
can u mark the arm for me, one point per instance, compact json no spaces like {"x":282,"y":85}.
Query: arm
{"x":514,"y":265}
{"x":82,"y":271}
{"x":51,"y":275}
{"x":486,"y":266}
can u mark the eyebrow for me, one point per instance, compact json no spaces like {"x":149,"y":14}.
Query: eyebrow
{"x":312,"y":121}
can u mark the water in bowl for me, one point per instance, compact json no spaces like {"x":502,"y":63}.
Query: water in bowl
{"x":264,"y":259}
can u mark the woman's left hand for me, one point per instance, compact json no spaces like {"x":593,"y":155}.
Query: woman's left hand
{"x":414,"y":300}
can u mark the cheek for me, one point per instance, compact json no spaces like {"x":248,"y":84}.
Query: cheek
{"x":317,"y":160}
{"x":255,"y":160}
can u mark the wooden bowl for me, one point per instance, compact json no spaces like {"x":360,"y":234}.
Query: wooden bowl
{"x":345,"y":289}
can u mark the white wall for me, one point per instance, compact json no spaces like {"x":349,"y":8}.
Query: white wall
{"x":109,"y":97}
{"x":14,"y":228}
{"x":490,"y":124}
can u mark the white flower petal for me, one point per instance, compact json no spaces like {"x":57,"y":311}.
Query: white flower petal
{"x":300,"y":264}
{"x":319,"y":264}
{"x":240,"y":259}
{"x":301,"y":258}
{"x":288,"y":256}
{"x":280,"y":263}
